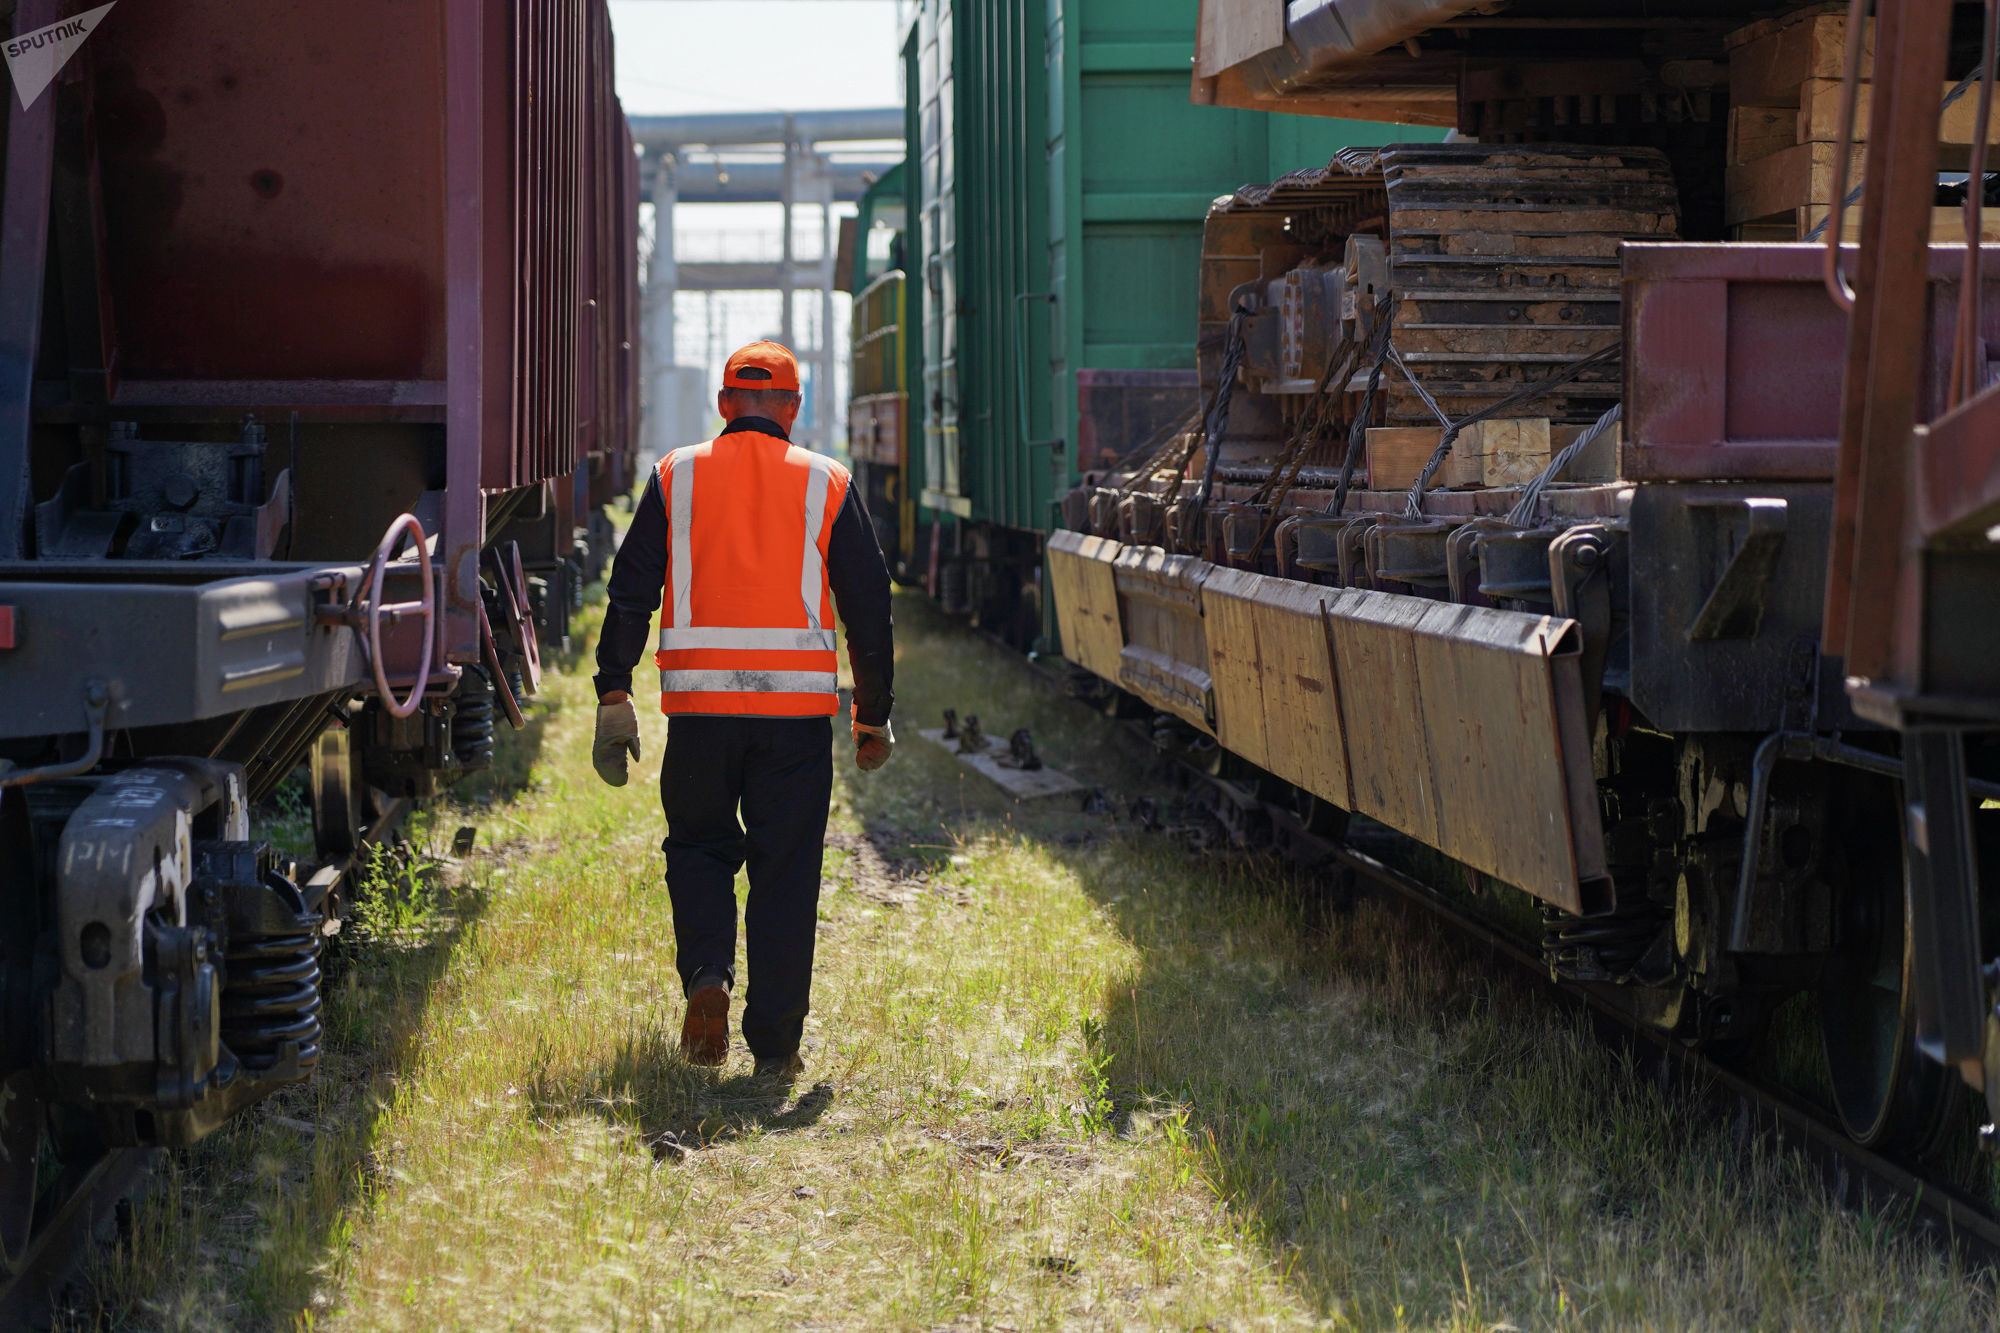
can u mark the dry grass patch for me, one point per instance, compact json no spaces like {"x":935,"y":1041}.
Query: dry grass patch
{"x":1061,"y":1075}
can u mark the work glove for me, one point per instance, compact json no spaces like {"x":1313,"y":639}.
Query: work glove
{"x":872,"y":745}
{"x":617,"y":735}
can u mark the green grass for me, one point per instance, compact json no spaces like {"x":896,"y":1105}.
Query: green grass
{"x":1061,"y":1074}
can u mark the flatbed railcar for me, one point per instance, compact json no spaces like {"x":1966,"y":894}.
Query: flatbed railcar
{"x":1052,"y":204}
{"x":316,"y":370}
{"x":1694,"y":696}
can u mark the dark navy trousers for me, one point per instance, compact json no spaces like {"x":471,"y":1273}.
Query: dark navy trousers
{"x":778,"y":773}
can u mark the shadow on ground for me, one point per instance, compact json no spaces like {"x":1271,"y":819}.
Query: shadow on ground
{"x":674,"y":1108}
{"x":1410,"y":1135}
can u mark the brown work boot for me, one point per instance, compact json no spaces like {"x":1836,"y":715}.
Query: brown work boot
{"x":782,"y":1068}
{"x":705,"y":1031}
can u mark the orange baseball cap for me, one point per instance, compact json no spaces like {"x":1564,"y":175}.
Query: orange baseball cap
{"x":762,"y":365}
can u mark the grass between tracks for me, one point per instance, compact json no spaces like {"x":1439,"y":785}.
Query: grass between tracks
{"x":1061,"y":1074}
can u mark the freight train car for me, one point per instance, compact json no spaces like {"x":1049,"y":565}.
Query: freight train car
{"x":1056,"y":187}
{"x":315,"y":345}
{"x":1649,"y":576}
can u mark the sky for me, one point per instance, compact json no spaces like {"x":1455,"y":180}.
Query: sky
{"x":687,"y":55}
{"x":683,"y":56}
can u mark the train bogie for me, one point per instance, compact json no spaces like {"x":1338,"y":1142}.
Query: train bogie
{"x":1507,"y":508}
{"x":320,"y":341}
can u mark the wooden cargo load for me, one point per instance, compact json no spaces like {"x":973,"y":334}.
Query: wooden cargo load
{"x":1785,"y":78}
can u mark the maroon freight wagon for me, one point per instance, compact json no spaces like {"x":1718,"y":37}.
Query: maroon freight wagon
{"x":316,"y":368}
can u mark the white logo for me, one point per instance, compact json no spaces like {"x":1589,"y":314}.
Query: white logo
{"x":35,"y":58}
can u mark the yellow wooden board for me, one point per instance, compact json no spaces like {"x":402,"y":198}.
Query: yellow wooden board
{"x":1492,"y":734}
{"x":1277,"y":702}
{"x":1086,"y":600}
{"x":1382,"y":708}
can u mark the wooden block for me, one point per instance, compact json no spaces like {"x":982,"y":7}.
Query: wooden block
{"x":1510,"y":451}
{"x":1947,"y":224}
{"x":1396,"y":454}
{"x":1462,"y":468}
{"x":1765,"y":229}
{"x":1790,"y":178}
{"x":1819,"y":114}
{"x":1759,"y":131}
{"x":1769,"y":68}
{"x":1600,"y":462}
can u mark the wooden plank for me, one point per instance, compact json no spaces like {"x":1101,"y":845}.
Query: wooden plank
{"x":1165,"y":657}
{"x":1759,"y":131}
{"x":1818,"y":118}
{"x":1492,"y":738}
{"x":1087,"y":617}
{"x":1769,"y":70}
{"x":1947,"y":224}
{"x":1375,"y":662}
{"x":1229,"y":32}
{"x":1396,"y":454}
{"x":1277,"y":702}
{"x":1235,"y":666}
{"x":1303,"y":723}
{"x":1791,"y":178}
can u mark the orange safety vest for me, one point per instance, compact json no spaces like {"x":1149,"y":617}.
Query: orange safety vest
{"x":746,"y":619}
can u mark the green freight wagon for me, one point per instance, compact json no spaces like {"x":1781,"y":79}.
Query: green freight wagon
{"x":882,"y":360}
{"x":1060,"y":180}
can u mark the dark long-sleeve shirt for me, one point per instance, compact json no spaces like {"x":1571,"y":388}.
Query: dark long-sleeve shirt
{"x":855,"y":570}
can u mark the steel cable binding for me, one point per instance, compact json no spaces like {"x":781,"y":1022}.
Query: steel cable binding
{"x":1523,"y":513}
{"x":1527,"y":393}
{"x":1217,"y":420}
{"x":1357,"y":433}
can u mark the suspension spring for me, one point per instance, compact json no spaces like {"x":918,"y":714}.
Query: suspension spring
{"x":472,"y":719}
{"x":271,"y":994}
{"x":1601,"y":948}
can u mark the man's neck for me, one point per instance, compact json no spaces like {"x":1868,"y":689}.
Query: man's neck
{"x":762,"y":425}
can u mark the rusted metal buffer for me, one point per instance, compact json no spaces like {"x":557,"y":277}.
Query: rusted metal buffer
{"x":315,"y":370}
{"x":1531,"y":515}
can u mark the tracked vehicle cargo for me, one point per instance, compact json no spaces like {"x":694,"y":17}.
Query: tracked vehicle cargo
{"x":1534,"y":507}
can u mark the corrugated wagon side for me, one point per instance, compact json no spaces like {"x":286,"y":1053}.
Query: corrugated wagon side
{"x":316,"y":343}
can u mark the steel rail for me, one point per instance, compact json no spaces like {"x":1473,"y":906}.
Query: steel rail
{"x":1848,"y":1168}
{"x":1858,"y":1177}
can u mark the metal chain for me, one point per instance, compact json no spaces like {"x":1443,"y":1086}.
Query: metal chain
{"x":1218,"y":412}
{"x":1357,"y":433}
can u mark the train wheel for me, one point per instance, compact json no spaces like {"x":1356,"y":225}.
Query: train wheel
{"x":23,"y":1116}
{"x":1887,"y":1094}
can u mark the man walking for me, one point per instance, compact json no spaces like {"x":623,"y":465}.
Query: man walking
{"x":746,"y":544}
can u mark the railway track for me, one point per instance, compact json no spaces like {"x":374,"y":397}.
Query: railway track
{"x":1858,"y":1177}
{"x":33,"y":1283}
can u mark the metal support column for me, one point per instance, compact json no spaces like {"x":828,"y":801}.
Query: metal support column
{"x":788,"y":192}
{"x":823,"y":407}
{"x":662,"y":281}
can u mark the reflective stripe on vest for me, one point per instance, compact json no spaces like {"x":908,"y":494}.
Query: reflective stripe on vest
{"x":728,"y":561}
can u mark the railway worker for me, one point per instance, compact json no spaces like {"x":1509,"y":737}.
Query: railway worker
{"x":751,"y":543}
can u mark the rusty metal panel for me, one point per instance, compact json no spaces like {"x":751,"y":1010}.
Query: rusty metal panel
{"x":1277,"y":700}
{"x":1165,"y":657}
{"x":274,"y":189}
{"x":1086,"y":600}
{"x":1734,"y":358}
